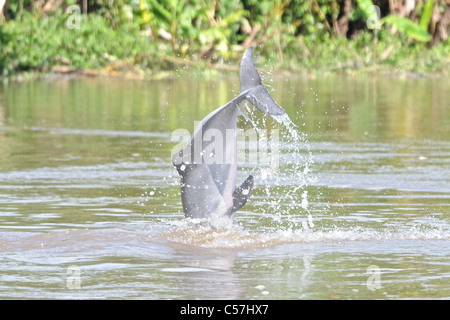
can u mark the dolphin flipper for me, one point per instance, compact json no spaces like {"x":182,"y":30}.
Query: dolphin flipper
{"x":241,"y":194}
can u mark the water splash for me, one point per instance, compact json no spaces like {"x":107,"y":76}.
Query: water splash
{"x":236,"y":237}
{"x":282,"y":195}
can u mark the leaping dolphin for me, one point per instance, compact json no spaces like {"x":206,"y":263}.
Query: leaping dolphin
{"x":208,"y":176}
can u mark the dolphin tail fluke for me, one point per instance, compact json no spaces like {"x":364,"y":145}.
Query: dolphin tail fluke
{"x":256,"y":92}
{"x":241,"y":194}
{"x":261,"y":99}
{"x":248,"y":73}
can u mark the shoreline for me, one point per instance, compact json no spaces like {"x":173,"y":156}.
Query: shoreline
{"x":63,"y":72}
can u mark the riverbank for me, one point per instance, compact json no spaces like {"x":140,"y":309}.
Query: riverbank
{"x":172,"y":66}
{"x":34,"y":48}
{"x":133,"y":73}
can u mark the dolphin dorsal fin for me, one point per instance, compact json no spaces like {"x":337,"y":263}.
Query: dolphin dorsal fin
{"x":241,"y":194}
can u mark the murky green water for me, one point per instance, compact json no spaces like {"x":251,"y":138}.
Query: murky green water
{"x":90,"y":204}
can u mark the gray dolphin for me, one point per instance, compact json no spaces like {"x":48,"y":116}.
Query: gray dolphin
{"x":208,"y":175}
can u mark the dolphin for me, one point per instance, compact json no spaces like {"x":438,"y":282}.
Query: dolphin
{"x":208,"y":163}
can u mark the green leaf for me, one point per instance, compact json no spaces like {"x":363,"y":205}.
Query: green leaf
{"x":232,"y":18}
{"x":364,"y":5}
{"x":145,"y":14}
{"x":180,"y":6}
{"x":408,"y":27}
{"x":426,"y":14}
{"x":161,"y":12}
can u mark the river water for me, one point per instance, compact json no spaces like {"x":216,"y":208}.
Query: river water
{"x":358,"y":206}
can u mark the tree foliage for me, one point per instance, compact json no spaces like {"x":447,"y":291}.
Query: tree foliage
{"x":291,"y":33}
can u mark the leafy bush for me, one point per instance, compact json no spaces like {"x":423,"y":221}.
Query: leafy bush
{"x":156,"y":34}
{"x":38,"y":44}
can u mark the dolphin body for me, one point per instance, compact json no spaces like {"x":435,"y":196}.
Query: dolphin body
{"x":208,"y":183}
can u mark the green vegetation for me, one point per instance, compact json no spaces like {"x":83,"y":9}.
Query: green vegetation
{"x":150,"y":37}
